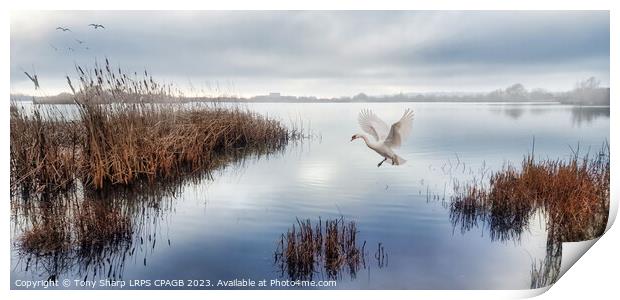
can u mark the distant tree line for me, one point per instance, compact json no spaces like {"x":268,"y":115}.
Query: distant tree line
{"x":586,"y":92}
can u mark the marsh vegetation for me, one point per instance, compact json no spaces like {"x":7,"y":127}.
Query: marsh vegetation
{"x":87,"y":235}
{"x":75,"y":178}
{"x":227,"y":218}
{"x":325,"y":247}
{"x":120,"y":136}
{"x":571,"y":195}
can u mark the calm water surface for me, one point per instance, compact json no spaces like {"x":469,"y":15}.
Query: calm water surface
{"x":228,"y":227}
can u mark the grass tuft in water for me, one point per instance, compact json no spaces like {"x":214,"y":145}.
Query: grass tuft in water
{"x":573,"y":196}
{"x":331,"y":245}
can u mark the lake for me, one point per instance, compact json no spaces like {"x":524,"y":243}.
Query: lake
{"x":227,"y":225}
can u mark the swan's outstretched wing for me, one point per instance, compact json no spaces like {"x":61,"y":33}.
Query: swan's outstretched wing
{"x":373,"y":125}
{"x":400,"y":130}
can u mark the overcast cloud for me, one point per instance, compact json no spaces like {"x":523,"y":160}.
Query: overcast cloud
{"x":319,"y":53}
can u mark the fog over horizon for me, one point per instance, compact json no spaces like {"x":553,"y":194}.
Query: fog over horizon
{"x":317,"y":53}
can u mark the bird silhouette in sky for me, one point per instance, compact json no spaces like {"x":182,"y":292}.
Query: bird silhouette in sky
{"x":96,"y":26}
{"x":34,"y":80}
{"x":63,"y":28}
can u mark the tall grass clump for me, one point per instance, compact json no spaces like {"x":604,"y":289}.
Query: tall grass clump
{"x":123,"y":144}
{"x":573,"y":196}
{"x":44,"y":151}
{"x":128,"y":128}
{"x":330,"y":245}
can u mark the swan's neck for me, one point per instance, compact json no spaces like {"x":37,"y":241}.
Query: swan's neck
{"x":369,"y":143}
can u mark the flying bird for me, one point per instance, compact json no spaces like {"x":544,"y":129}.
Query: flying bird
{"x":385,"y":139}
{"x":34,"y":79}
{"x":63,"y":28}
{"x":95,"y":26}
{"x":79,"y":41}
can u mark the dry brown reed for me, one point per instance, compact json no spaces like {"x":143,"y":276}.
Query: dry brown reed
{"x":573,"y":195}
{"x":332,"y":245}
{"x":126,"y":144}
{"x":123,"y":134}
{"x":44,"y":151}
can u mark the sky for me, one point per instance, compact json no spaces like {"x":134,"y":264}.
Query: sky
{"x":316,"y":53}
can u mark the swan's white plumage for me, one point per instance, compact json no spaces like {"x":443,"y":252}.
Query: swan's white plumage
{"x":400,"y":130}
{"x":372,"y":125}
{"x":385,"y":139}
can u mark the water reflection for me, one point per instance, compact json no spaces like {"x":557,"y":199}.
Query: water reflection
{"x":67,"y":237}
{"x":571,"y":196}
{"x":96,"y":235}
{"x":226,"y":226}
{"x":587,"y":114}
{"x":93,"y":234}
{"x":547,"y":271}
{"x":325,"y":248}
{"x":514,"y":112}
{"x":579,"y":115}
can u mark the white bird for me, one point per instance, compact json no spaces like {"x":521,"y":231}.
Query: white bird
{"x":385,"y":139}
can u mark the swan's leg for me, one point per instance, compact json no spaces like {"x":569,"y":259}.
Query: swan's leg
{"x":381,"y":162}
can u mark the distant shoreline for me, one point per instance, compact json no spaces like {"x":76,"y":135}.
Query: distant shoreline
{"x":250,"y":101}
{"x":586,"y":93}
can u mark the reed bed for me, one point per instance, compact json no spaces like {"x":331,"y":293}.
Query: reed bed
{"x":124,"y":144}
{"x":331,"y":245}
{"x":57,"y":227}
{"x":573,"y":196}
{"x":127,"y":129}
{"x":88,"y":186}
{"x":44,"y":151}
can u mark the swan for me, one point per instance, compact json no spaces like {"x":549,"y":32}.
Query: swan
{"x":384,"y":139}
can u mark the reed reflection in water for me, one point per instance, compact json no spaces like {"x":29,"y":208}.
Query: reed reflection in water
{"x":227,"y":225}
{"x":331,"y":246}
{"x":92,"y":234}
{"x":572,"y":197}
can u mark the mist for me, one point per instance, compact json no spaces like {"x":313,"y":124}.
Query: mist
{"x":323,"y":54}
